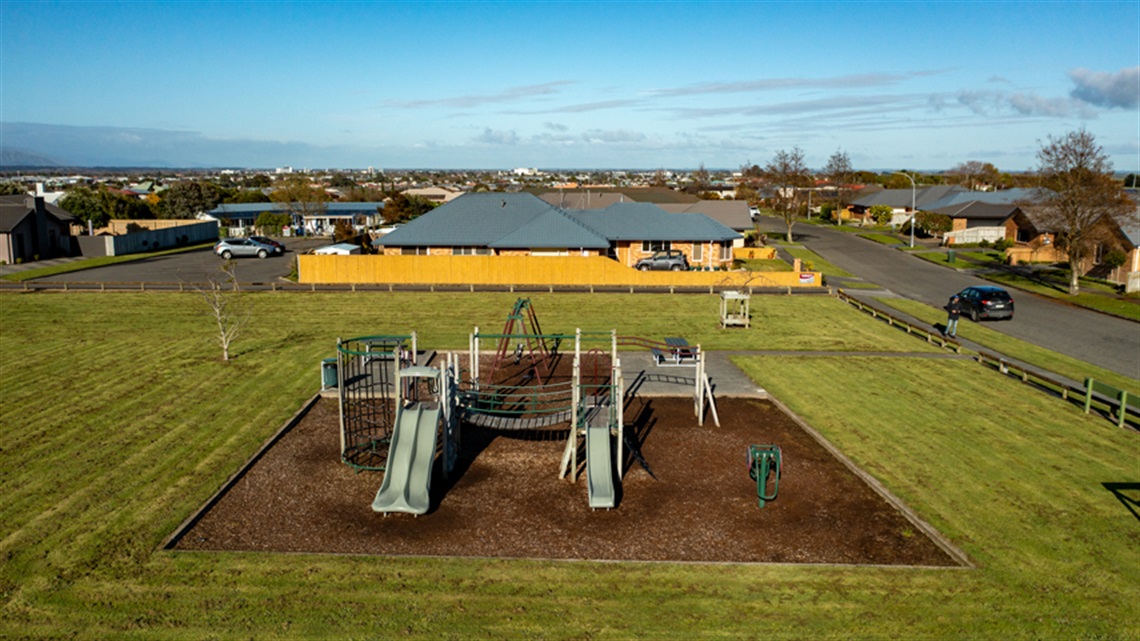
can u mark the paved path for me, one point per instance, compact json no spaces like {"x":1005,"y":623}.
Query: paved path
{"x":1109,"y":342}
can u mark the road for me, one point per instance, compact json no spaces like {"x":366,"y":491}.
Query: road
{"x":1109,"y":342}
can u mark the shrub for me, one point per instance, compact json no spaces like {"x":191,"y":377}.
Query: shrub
{"x":1114,"y":259}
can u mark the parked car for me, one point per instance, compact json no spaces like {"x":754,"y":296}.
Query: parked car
{"x":269,"y":241}
{"x":986,"y":301}
{"x":667,"y":260}
{"x":230,"y":247}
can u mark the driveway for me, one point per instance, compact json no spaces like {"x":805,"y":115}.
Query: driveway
{"x":1109,"y":342}
{"x":196,"y":266}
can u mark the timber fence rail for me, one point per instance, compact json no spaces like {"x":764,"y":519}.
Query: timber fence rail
{"x":1030,"y":375}
{"x":144,"y":286}
{"x":931,"y":336}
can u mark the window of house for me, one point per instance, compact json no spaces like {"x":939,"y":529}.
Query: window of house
{"x":413,"y":251}
{"x":550,"y":252}
{"x":726,"y":251}
{"x":471,"y":251}
{"x":650,"y":246}
{"x":1024,"y":235}
{"x":698,"y":252}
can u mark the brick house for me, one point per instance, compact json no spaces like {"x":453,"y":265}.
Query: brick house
{"x":522,"y":224}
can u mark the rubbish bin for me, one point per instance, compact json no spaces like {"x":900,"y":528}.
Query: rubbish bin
{"x":328,"y":373}
{"x":950,"y":255}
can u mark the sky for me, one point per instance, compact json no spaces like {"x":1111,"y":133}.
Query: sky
{"x":571,"y":85}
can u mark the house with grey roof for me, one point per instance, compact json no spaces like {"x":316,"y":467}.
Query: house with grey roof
{"x":900,"y":201}
{"x":31,"y":229}
{"x":523,"y":224}
{"x":320,"y":220}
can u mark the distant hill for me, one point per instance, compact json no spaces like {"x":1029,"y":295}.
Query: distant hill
{"x":15,"y":158}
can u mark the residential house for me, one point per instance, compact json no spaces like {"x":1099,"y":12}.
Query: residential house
{"x":31,"y":229}
{"x":733,"y":214}
{"x":321,"y":221}
{"x":902,"y":202}
{"x":523,"y":224}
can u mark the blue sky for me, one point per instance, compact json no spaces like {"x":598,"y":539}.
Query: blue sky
{"x":921,"y":85}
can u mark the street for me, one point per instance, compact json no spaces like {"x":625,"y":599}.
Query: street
{"x":1107,"y":341}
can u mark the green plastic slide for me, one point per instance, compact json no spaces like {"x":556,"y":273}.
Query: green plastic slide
{"x":407,"y":481}
{"x":599,"y":469}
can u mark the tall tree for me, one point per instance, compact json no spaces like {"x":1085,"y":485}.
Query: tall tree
{"x":973,"y":174}
{"x":786,"y":175}
{"x":85,"y":204}
{"x":299,"y":198}
{"x":188,"y":198}
{"x":1078,"y":189}
{"x":839,"y":173}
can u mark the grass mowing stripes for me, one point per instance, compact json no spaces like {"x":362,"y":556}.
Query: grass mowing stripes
{"x":121,"y":421}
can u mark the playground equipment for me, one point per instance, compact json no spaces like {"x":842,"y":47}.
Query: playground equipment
{"x":599,"y":401}
{"x":394,"y":412}
{"x":734,"y":309}
{"x":365,"y":369}
{"x":424,"y":410}
{"x":764,"y":462}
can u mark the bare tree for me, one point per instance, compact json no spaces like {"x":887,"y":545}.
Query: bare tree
{"x":973,"y":174}
{"x":300,"y":199}
{"x":1078,"y":190}
{"x":226,"y":306}
{"x":786,"y":174}
{"x":839,"y":173}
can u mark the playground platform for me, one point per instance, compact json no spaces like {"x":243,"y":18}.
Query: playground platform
{"x":644,"y":377}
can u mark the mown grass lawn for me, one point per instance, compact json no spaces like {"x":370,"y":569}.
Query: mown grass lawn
{"x":817,"y":262}
{"x":118,"y":420}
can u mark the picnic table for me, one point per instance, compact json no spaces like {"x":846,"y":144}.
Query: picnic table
{"x":678,"y":351}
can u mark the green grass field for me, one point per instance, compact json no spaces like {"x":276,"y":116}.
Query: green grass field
{"x":118,"y":420}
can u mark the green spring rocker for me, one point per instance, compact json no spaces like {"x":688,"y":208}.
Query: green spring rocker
{"x":763,"y":463}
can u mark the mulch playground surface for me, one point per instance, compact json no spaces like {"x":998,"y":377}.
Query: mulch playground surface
{"x":505,"y":498}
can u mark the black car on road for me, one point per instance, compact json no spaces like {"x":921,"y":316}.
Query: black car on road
{"x":986,"y":301}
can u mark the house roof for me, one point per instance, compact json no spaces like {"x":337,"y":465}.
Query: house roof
{"x":901,"y":198}
{"x":733,"y":214}
{"x":13,"y":210}
{"x":977,"y":210}
{"x":583,"y":199}
{"x":1003,"y":197}
{"x":522,"y":220}
{"x":644,"y":221}
{"x":332,"y":210}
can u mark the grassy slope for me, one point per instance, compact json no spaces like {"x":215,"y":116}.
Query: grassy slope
{"x":1067,"y":366}
{"x":118,"y":421}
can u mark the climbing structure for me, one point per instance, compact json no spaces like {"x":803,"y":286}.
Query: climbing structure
{"x":366,"y":368}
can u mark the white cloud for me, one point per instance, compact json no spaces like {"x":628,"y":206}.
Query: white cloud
{"x":510,"y":94}
{"x":613,"y":136}
{"x":498,"y":137}
{"x":1121,"y":89}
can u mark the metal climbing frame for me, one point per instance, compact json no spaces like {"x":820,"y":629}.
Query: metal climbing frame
{"x":522,"y":326}
{"x":367,"y":368}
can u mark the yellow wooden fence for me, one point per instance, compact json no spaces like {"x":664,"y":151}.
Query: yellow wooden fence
{"x":524,"y":270}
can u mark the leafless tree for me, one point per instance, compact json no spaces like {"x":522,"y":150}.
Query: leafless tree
{"x":786,"y":175}
{"x":1078,"y":190}
{"x":226,"y":306}
{"x":840,"y":173}
{"x":973,"y":174}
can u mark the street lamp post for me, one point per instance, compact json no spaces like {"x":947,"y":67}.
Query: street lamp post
{"x":913,"y":210}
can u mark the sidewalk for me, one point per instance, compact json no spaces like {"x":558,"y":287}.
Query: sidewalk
{"x":37,"y":264}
